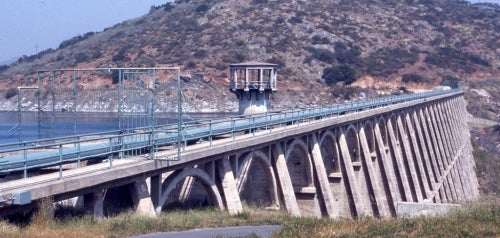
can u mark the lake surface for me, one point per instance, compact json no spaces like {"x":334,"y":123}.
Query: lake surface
{"x":14,"y":128}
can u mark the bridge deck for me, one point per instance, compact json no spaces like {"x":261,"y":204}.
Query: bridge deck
{"x":29,"y":157}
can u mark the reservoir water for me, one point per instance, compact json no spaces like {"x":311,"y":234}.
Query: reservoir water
{"x":14,"y":129}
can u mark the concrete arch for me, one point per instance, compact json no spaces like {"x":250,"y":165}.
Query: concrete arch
{"x":173,"y":179}
{"x":352,"y":139}
{"x":368,"y":125}
{"x":253,"y":163}
{"x":382,"y":125}
{"x":299,"y":164}
{"x":393,"y":117}
{"x":330,"y":152}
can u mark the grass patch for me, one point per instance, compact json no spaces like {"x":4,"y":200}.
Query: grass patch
{"x":127,"y":224}
{"x":477,"y":221}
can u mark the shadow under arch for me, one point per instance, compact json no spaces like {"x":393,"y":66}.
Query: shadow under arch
{"x":352,"y":140}
{"x":254,"y":188}
{"x":381,"y":123}
{"x":370,"y":136}
{"x":330,"y":152}
{"x":299,"y":164}
{"x":169,"y":184}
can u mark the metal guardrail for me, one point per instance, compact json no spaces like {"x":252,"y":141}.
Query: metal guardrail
{"x":15,"y":157}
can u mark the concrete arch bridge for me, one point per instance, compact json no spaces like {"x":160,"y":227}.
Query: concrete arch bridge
{"x":353,"y":161}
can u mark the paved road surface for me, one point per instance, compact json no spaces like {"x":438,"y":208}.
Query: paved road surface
{"x":237,"y":231}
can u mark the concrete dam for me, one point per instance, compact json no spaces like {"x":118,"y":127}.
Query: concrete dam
{"x":363,"y":158}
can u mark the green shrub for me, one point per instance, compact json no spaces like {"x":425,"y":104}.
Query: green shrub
{"x":496,"y":128}
{"x":168,"y":6}
{"x":11,"y":92}
{"x":318,"y":40}
{"x":333,"y":75}
{"x":345,"y":54}
{"x":81,"y":57}
{"x":220,"y":66}
{"x":451,"y":81}
{"x":200,"y":54}
{"x":3,"y":67}
{"x":387,"y":61}
{"x":297,"y":18}
{"x":121,"y":55}
{"x":323,"y":55}
{"x":202,"y":8}
{"x":75,"y":39}
{"x":190,"y":65}
{"x":454,"y":59}
{"x":280,"y":20}
{"x":412,"y":78}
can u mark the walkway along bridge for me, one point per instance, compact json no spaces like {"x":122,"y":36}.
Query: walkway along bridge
{"x":359,"y":158}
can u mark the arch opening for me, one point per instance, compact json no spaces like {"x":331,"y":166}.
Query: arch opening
{"x":117,"y":200}
{"x":189,"y":193}
{"x":299,"y":166}
{"x":255,"y":181}
{"x":189,"y":188}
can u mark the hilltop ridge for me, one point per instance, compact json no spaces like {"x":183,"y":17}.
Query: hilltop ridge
{"x":375,"y":44}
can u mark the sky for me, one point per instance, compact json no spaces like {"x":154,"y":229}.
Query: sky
{"x":30,"y":26}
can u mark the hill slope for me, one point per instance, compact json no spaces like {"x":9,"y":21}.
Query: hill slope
{"x":386,"y":43}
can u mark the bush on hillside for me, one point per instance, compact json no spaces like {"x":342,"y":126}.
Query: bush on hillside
{"x":81,"y":57}
{"x":318,"y":40}
{"x":451,"y":81}
{"x":121,"y":55}
{"x":220,"y":66}
{"x":407,"y":78}
{"x":200,"y":54}
{"x":452,"y":58}
{"x":336,"y":74}
{"x":3,"y":67}
{"x":323,"y":55}
{"x":345,"y":54}
{"x":190,"y":65}
{"x":235,"y":57}
{"x":202,"y":8}
{"x":387,"y":61}
{"x":75,"y":39}
{"x":11,"y":92}
{"x":168,"y":6}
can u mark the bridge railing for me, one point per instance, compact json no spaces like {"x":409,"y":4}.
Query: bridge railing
{"x":118,"y":144}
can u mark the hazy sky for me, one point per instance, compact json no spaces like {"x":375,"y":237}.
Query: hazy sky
{"x":30,"y":26}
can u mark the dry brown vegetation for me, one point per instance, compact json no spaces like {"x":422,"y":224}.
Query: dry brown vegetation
{"x":474,"y":221}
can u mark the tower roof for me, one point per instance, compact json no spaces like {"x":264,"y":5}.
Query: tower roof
{"x":253,"y":64}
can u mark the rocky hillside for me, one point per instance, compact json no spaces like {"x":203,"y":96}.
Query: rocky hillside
{"x":374,"y":44}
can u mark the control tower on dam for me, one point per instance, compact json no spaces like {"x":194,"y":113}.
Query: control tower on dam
{"x":253,"y":83}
